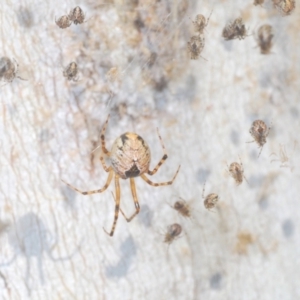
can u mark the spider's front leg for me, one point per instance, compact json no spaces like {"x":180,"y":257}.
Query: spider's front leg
{"x":108,"y":181}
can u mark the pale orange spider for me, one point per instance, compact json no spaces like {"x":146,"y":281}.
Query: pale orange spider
{"x":129,"y":157}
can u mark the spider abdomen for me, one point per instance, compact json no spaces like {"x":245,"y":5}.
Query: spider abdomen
{"x":130,"y":155}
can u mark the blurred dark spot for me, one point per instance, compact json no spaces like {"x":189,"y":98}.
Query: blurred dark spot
{"x":128,"y":250}
{"x":263,"y":202}
{"x":235,"y":137}
{"x":288,"y":228}
{"x":25,"y":17}
{"x":161,"y":84}
{"x":202,"y":175}
{"x":145,"y":216}
{"x":139,"y":23}
{"x":215,"y":281}
{"x":152,"y":59}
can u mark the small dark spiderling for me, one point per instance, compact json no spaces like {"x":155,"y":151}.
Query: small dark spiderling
{"x":183,"y":208}
{"x":195,"y":46}
{"x":76,"y":15}
{"x":286,"y":7}
{"x":264,"y":38}
{"x":259,"y":131}
{"x":235,"y":30}
{"x":200,"y":23}
{"x":63,"y":22}
{"x":173,"y":232}
{"x":211,"y":200}
{"x":8,"y":69}
{"x":236,"y":171}
{"x":71,"y":71}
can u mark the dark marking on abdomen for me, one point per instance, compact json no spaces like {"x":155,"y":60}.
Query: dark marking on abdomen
{"x":133,"y":172}
{"x":124,"y":138}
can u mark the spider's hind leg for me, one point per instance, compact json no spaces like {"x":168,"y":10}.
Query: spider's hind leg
{"x":117,"y":206}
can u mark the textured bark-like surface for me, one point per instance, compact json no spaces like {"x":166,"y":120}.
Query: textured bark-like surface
{"x":133,"y":63}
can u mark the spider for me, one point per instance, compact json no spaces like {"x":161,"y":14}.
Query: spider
{"x":285,"y":6}
{"x":182,"y":207}
{"x":235,"y":29}
{"x":236,"y":171}
{"x":71,"y":71}
{"x":259,"y":132}
{"x":173,"y":232}
{"x":264,"y":38}
{"x":8,"y":69}
{"x":63,"y":22}
{"x":129,"y":157}
{"x":200,"y":23}
{"x":76,"y":15}
{"x":195,"y":46}
{"x":211,"y":200}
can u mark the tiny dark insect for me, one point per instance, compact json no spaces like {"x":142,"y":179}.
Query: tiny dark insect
{"x":195,"y":46}
{"x":8,"y":69}
{"x":173,"y":232}
{"x":236,"y":171}
{"x":200,"y":23}
{"x":183,"y":208}
{"x":211,"y":200}
{"x":76,"y":15}
{"x":264,"y":38}
{"x":71,"y":71}
{"x":259,"y":132}
{"x":234,"y":30}
{"x":63,"y":22}
{"x":286,"y":7}
{"x":258,"y":2}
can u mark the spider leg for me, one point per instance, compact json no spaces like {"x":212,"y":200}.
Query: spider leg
{"x":260,"y":151}
{"x":135,"y":199}
{"x":163,"y":158}
{"x":203,"y":190}
{"x":105,"y":151}
{"x":105,"y":167}
{"x":108,"y":181}
{"x":269,"y":128}
{"x":117,"y":206}
{"x":161,"y":183}
{"x":209,"y":17}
